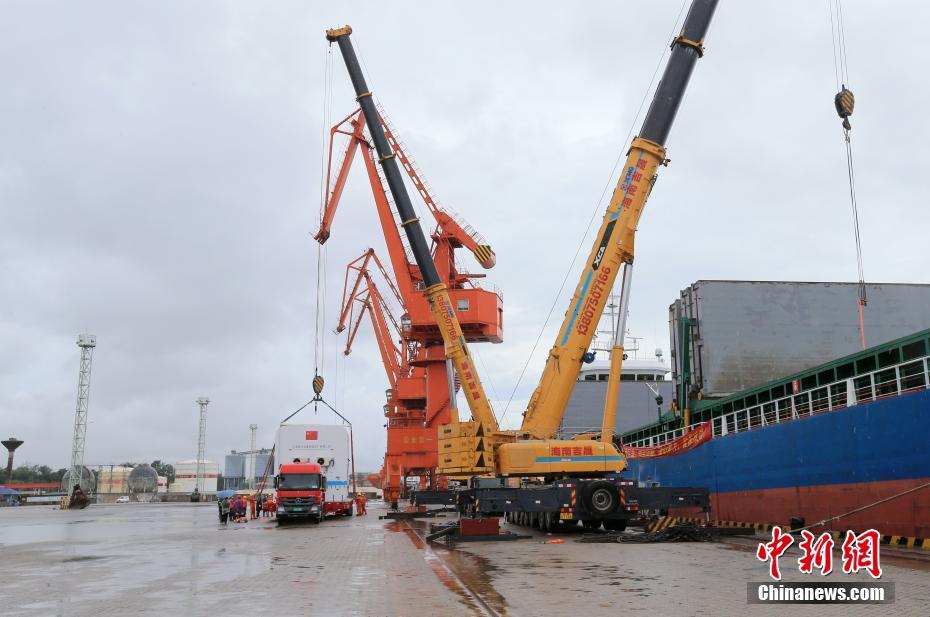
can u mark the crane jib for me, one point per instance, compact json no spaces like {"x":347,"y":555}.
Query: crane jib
{"x":630,"y":186}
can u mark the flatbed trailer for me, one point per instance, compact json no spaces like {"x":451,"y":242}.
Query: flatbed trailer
{"x":610,"y":501}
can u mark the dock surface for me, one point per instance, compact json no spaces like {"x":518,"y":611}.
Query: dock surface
{"x":176,"y":559}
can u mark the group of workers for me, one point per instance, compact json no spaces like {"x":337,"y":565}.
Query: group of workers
{"x":239,"y":508}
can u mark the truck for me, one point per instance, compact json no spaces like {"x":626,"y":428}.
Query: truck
{"x":312,"y":479}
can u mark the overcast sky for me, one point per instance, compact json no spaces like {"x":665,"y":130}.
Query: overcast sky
{"x":160,"y":171}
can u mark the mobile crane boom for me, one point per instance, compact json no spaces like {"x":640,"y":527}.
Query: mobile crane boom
{"x":614,"y":241}
{"x":478,"y":447}
{"x":436,"y":291}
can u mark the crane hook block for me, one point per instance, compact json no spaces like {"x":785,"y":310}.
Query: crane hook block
{"x":844,"y":102}
{"x":317,"y":384}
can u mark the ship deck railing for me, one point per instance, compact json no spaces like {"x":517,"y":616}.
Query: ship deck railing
{"x":882,"y":383}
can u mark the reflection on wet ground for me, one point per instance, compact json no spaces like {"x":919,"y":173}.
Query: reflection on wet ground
{"x":176,"y":559}
{"x":464,"y":574}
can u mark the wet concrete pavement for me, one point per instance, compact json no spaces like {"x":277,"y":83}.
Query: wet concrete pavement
{"x":175,"y":559}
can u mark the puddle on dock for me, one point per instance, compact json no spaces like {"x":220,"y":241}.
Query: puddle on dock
{"x":465,"y":574}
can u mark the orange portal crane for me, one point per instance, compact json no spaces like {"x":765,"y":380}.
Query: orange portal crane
{"x":406,"y":398}
{"x":419,"y":399}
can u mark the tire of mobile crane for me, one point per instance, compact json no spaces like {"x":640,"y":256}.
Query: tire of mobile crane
{"x":548,"y":523}
{"x":601,"y":498}
{"x":524,"y":519}
{"x":591,"y":525}
{"x":615,"y":525}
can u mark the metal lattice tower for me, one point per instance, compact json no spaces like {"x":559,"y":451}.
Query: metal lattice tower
{"x":201,"y":443}
{"x":87,"y":343}
{"x":251,"y":481}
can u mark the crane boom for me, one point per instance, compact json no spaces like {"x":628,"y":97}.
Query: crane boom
{"x":613,"y":245}
{"x":436,"y":291}
{"x":478,"y":447}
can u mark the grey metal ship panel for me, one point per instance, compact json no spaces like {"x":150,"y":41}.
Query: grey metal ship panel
{"x":745,"y":333}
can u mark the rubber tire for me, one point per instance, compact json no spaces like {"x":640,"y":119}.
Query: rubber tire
{"x":615,"y":525}
{"x":601,"y":498}
{"x":591,"y":525}
{"x":547,"y":521}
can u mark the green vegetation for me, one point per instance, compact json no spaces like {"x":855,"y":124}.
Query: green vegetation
{"x":36,"y":474}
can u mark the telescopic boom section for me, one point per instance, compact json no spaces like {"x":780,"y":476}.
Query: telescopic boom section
{"x":436,"y":292}
{"x":614,"y":241}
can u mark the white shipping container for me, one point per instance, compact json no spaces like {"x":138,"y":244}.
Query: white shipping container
{"x":326,"y":444}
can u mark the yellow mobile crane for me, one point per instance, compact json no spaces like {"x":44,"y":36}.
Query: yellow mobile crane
{"x":478,"y":447}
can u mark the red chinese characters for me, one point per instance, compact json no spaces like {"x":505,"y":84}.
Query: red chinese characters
{"x":771,"y":551}
{"x":817,"y":552}
{"x":860,"y":552}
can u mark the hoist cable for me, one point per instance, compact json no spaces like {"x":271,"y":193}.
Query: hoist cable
{"x":320,"y":307}
{"x":836,"y":70}
{"x":844,"y":109}
{"x":597,"y":208}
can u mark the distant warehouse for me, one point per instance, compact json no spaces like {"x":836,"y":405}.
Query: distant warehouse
{"x":745,"y":333}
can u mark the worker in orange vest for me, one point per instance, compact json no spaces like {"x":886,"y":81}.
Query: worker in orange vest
{"x":360,"y":500}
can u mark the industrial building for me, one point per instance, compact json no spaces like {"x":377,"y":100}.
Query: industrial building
{"x":236,"y":468}
{"x":113,"y":479}
{"x":185,"y":476}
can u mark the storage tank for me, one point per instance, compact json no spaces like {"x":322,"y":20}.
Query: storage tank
{"x":143,"y":479}
{"x":745,"y":333}
{"x":88,"y":482}
{"x":261,"y":463}
{"x":185,"y":473}
{"x":234,"y":465}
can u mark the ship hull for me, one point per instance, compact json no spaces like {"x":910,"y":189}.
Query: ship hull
{"x":816,"y":468}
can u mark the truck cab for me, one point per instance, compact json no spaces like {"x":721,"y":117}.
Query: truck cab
{"x":301,"y":488}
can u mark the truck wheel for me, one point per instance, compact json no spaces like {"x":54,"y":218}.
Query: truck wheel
{"x":615,"y":525}
{"x":547,"y":524}
{"x":601,"y":498}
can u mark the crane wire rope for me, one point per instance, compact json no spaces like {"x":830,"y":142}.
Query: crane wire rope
{"x":319,"y":345}
{"x":597,"y":208}
{"x":844,"y":102}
